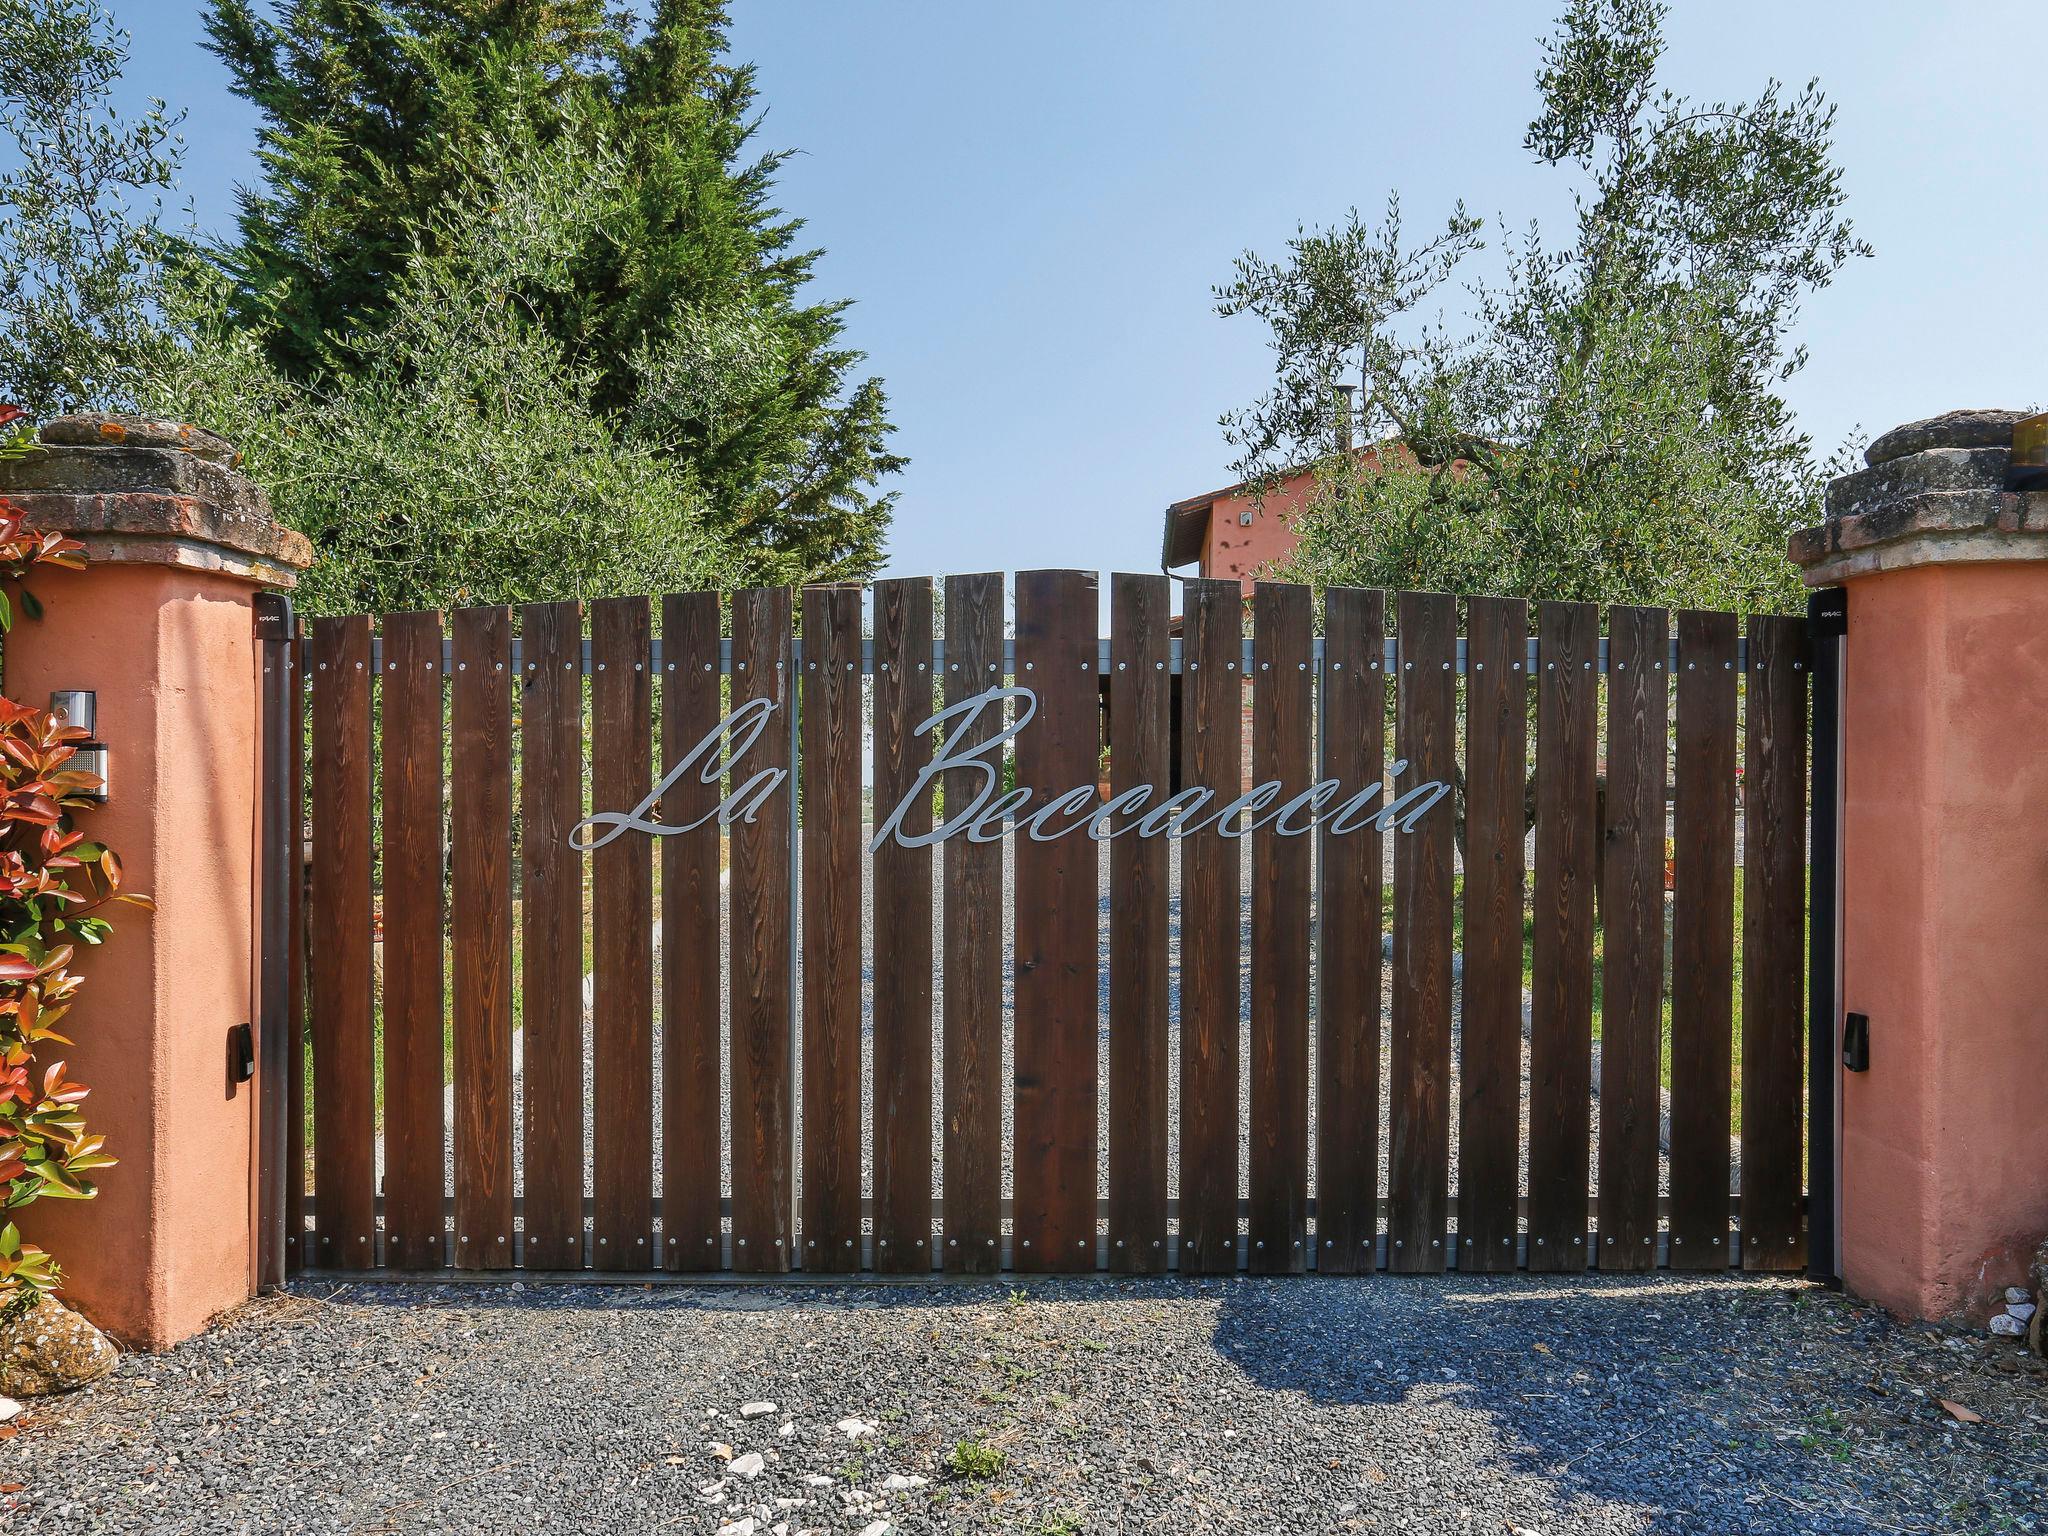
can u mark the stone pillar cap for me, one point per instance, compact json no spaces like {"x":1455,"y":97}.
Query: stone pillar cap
{"x":1935,"y":494}
{"x":1951,"y":429}
{"x":104,"y":429}
{"x":139,"y":490}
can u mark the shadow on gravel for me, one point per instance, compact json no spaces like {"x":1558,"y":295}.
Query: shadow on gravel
{"x":1627,"y":1391}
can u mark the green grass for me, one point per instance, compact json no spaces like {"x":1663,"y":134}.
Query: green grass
{"x":1019,"y":1298}
{"x":1599,"y":979}
{"x":975,"y":1460}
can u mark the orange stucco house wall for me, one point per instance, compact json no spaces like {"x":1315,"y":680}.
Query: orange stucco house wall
{"x":1239,"y":537}
{"x":1233,"y":533}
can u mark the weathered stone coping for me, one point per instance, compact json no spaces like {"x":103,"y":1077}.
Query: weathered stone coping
{"x":138,"y":496}
{"x":1934,"y":494}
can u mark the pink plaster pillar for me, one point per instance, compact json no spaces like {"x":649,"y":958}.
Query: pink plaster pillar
{"x":1945,"y":862}
{"x":160,"y":626}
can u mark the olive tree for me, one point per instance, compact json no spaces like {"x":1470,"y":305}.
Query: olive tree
{"x":1603,"y":419}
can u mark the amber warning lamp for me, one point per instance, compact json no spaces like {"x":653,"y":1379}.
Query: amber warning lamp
{"x":2028,"y":470}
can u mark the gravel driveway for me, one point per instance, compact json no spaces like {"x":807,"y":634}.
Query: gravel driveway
{"x":1454,"y":1404}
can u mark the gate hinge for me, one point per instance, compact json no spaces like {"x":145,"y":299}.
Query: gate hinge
{"x":1827,"y":613}
{"x":273,"y":616}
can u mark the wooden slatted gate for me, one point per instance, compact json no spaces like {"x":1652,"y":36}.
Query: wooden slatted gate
{"x":1477,"y":962}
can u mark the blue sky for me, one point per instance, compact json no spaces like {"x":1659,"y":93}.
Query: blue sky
{"x":1030,"y":203}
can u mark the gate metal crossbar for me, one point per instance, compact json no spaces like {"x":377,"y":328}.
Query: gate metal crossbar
{"x":1390,"y":655}
{"x":941,"y":1051}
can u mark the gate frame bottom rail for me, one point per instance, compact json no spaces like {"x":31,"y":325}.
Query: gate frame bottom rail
{"x":867,"y":1274}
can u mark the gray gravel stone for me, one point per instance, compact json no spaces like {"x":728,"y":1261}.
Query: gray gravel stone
{"x":1567,"y":1405}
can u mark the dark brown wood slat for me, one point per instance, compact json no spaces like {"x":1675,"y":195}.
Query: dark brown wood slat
{"x":296,"y":1255}
{"x":1773,"y":945}
{"x":551,"y":929}
{"x":1490,"y":1031}
{"x":831,"y":825}
{"x":1282,"y":752}
{"x":1418,"y":1141}
{"x":1354,"y":726}
{"x":971,"y":1073}
{"x":344,"y":1060}
{"x":1703,"y":940}
{"x":1212,"y":752}
{"x":414,"y":1150}
{"x":622,"y":938}
{"x":691,"y":708}
{"x":480,"y":858}
{"x":1056,"y":904}
{"x":1138,"y":687}
{"x":763,"y":1152}
{"x":1561,"y":1028}
{"x":340,"y":1029}
{"x":1632,"y":955}
{"x":905,"y":695}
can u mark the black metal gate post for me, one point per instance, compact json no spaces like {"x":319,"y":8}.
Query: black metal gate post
{"x":277,"y":871}
{"x":1827,"y":615}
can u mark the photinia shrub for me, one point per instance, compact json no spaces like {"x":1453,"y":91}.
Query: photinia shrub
{"x":54,"y":887}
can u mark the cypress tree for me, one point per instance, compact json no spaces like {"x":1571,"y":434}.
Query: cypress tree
{"x":686,"y":306}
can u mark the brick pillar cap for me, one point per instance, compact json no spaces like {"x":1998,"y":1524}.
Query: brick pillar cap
{"x":1938,"y":492}
{"x":138,"y":490}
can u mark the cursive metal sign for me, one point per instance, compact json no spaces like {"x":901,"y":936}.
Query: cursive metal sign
{"x":990,"y":813}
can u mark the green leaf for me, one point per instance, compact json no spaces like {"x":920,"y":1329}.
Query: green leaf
{"x":61,"y":1183}
{"x":31,"y":604}
{"x":75,"y":1190}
